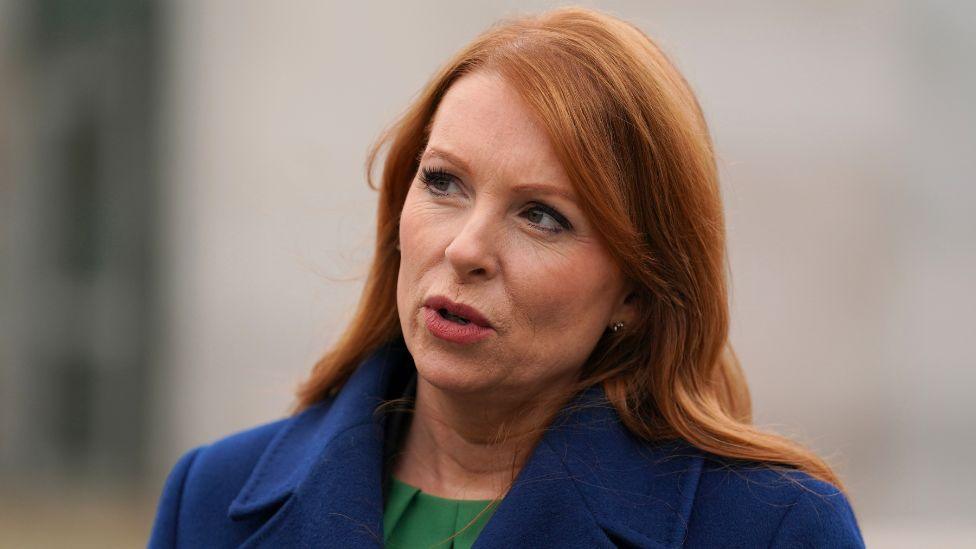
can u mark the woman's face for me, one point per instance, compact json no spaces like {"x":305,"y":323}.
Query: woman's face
{"x":492,"y":221}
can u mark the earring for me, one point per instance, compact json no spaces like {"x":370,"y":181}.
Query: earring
{"x":616,"y":327}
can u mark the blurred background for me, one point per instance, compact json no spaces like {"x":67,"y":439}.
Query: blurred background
{"x":185,"y":226}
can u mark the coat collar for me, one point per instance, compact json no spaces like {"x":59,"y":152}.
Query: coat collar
{"x":588,"y":483}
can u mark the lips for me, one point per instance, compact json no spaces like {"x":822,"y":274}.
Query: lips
{"x":456,"y":312}
{"x":455,"y":322}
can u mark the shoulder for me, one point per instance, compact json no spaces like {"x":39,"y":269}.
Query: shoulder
{"x":673,"y":493}
{"x":227,"y":463}
{"x":738,"y":500}
{"x":205,"y":481}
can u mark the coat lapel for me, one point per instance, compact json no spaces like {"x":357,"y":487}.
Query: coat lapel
{"x":588,"y":483}
{"x":319,"y":480}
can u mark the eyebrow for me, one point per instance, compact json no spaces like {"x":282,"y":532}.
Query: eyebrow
{"x":450,"y":157}
{"x":520,"y":188}
{"x":542,"y":188}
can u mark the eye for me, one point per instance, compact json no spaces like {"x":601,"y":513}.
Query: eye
{"x":538,"y":213}
{"x":436,"y":181}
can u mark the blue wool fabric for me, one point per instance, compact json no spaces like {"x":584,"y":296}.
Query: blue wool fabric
{"x":316,"y":480}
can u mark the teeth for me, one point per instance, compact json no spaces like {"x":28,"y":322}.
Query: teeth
{"x":455,"y":318}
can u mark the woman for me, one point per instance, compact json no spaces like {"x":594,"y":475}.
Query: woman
{"x":540,"y":354}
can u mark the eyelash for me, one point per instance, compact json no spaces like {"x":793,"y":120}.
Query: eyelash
{"x":429,"y":176}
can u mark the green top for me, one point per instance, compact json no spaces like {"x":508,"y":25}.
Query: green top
{"x":413,"y":519}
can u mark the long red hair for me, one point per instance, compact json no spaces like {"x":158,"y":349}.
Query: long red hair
{"x":633,"y":139}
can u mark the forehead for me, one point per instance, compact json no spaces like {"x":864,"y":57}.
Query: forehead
{"x":484,"y":122}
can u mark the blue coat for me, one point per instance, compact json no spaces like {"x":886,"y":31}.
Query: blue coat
{"x":314,"y":480}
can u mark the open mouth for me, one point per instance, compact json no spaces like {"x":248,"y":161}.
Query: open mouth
{"x":453,"y":318}
{"x":444,"y":323}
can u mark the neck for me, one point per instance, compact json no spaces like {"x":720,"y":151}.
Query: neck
{"x":466,"y":447}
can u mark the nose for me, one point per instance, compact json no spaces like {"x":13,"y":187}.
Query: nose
{"x":473,"y":252}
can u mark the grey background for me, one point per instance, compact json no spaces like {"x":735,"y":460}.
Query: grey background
{"x":185,"y":226}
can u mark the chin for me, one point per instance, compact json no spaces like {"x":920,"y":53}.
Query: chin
{"x":452,"y":372}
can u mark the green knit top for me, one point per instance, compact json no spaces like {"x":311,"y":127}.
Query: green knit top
{"x":413,"y":519}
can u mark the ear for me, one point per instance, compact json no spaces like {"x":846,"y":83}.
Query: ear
{"x":626,"y":310}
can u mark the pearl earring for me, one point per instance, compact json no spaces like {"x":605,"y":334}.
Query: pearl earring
{"x":616,"y":327}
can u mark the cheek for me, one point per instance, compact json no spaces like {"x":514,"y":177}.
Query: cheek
{"x":415,"y":236}
{"x":418,"y":247}
{"x":567,"y":298}
{"x":407,"y":238}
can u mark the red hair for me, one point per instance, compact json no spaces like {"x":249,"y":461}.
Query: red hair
{"x":635,"y":144}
